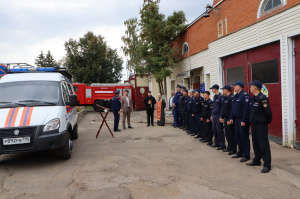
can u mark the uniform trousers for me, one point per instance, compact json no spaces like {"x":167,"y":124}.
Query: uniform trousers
{"x":191,"y":123}
{"x":230,"y":135}
{"x":218,"y":131}
{"x":116,"y":120}
{"x":150,"y":113}
{"x":208,"y":129}
{"x":261,"y":144}
{"x":198,"y":125}
{"x":242,"y":138}
{"x":178,"y":117}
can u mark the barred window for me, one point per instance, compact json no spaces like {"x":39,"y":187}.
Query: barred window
{"x":185,"y":48}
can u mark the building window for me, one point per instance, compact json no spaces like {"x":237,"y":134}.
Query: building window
{"x":266,"y":72}
{"x":268,"y":6}
{"x":235,"y":74}
{"x":185,"y":48}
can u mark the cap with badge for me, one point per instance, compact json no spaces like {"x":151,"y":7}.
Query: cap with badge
{"x":227,"y":87}
{"x":239,"y":83}
{"x":216,"y":86}
{"x":183,"y":87}
{"x":197,"y":90}
{"x":185,"y":90}
{"x":117,"y":91}
{"x":207,"y":92}
{"x":178,"y":86}
{"x":256,"y":83}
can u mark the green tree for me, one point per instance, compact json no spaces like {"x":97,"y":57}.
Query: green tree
{"x":154,"y":44}
{"x":45,"y":61}
{"x":91,"y":60}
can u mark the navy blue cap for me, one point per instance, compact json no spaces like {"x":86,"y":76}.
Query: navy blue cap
{"x":117,"y":91}
{"x":256,"y":83}
{"x":227,"y":87}
{"x":216,"y":86}
{"x":207,"y":92}
{"x":183,"y":87}
{"x":193,"y":91}
{"x":185,"y":90}
{"x":197,"y":90}
{"x":178,"y":86}
{"x":239,"y":83}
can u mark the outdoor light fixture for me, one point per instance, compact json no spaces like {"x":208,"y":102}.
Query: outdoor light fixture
{"x":209,"y":8}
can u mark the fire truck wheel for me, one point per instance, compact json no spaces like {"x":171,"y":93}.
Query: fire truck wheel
{"x":96,"y":108}
{"x":74,"y":133}
{"x":65,"y":151}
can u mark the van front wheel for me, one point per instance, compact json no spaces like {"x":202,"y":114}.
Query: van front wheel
{"x":74,"y":134}
{"x":66,"y":149}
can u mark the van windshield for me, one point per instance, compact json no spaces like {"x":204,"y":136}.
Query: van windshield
{"x":30,"y":93}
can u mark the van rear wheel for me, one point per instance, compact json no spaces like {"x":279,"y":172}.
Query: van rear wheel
{"x":65,"y":151}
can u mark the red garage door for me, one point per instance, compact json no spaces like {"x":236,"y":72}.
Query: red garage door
{"x":297,"y":85}
{"x":261,"y":64}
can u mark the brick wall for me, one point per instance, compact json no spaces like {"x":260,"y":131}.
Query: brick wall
{"x":228,"y":17}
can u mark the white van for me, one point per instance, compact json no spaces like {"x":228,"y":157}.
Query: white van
{"x":37,"y":112}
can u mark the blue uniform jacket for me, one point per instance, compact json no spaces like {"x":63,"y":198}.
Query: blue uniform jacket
{"x":216,"y":107}
{"x":176,"y":99}
{"x":190,"y":105}
{"x":241,"y":106}
{"x":226,"y":106}
{"x":197,"y":105}
{"x":116,"y":104}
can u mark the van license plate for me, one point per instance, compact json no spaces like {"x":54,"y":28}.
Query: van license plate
{"x":12,"y":141}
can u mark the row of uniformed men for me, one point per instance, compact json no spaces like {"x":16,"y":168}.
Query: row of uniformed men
{"x":204,"y":118}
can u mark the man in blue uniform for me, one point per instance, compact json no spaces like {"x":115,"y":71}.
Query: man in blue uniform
{"x":190,"y":110}
{"x":260,"y":116}
{"x":181,"y":108}
{"x":225,"y":119}
{"x":185,"y":112}
{"x":205,"y":117}
{"x":176,"y":106}
{"x":116,"y":107}
{"x":196,"y":113}
{"x":215,"y":118}
{"x":240,"y":115}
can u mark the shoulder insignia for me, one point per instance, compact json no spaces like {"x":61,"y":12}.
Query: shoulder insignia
{"x":265,"y":105}
{"x":265,"y":101}
{"x":246,"y":100}
{"x":245,"y":93}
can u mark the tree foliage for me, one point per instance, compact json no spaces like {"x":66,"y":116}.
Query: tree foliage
{"x":154,"y":47}
{"x":91,"y":60}
{"x":45,"y":60}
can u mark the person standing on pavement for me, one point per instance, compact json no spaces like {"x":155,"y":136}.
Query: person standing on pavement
{"x":215,"y":118}
{"x":185,"y":112}
{"x":260,"y":116}
{"x":149,"y":101}
{"x":197,"y":109}
{"x":126,"y":108}
{"x":171,"y":107}
{"x":116,"y":106}
{"x":176,"y":106}
{"x":160,"y":110}
{"x":240,"y":116}
{"x":205,"y":118}
{"x":181,"y":107}
{"x":225,"y":119}
{"x":189,"y":107}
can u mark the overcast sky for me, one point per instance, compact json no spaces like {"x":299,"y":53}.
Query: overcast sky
{"x":29,"y":26}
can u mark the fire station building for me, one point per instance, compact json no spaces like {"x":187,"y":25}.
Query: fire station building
{"x":246,"y":40}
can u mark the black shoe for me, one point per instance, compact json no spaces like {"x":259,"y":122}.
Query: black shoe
{"x":209,"y":143}
{"x":130,"y":127}
{"x":197,"y":137}
{"x":236,"y":156}
{"x":180,"y":127}
{"x":266,"y":170}
{"x":118,"y":130}
{"x":124,"y":127}
{"x":254,"y":164}
{"x":225,"y":150}
{"x":214,"y":145}
{"x":221,"y":148}
{"x":152,"y":124}
{"x":148,"y":125}
{"x":193,"y":134}
{"x":204,"y":140}
{"x":231,"y":153}
{"x":188,"y":132}
{"x":244,"y":159}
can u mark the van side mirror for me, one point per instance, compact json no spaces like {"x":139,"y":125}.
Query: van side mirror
{"x":73,"y":100}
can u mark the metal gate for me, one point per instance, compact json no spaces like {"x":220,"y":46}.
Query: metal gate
{"x":297,"y":85}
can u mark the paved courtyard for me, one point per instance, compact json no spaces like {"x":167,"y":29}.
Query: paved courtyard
{"x":145,"y":162}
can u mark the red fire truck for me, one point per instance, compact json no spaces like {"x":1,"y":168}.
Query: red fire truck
{"x":100,"y":94}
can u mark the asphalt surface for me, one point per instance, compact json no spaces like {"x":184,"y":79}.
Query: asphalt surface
{"x":145,"y":162}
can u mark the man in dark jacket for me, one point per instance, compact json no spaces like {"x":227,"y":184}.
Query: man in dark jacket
{"x":205,"y":117}
{"x":116,"y":106}
{"x":150,"y":101}
{"x":176,"y":107}
{"x":260,"y":116}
